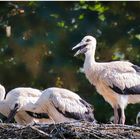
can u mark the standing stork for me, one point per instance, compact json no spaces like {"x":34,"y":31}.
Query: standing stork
{"x":118,"y":81}
{"x":61,"y":105}
{"x":22,"y":96}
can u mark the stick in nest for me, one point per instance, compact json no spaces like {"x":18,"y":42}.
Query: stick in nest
{"x":40,"y":132}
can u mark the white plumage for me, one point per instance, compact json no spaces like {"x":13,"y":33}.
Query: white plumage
{"x":62,"y":105}
{"x":138,"y":119}
{"x":118,"y":82}
{"x":20,"y":96}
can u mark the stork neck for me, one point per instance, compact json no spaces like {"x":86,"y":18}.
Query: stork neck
{"x":90,"y":56}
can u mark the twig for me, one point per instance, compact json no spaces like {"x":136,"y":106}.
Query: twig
{"x":78,"y":129}
{"x":40,"y":132}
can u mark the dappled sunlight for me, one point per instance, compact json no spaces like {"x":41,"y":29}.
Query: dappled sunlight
{"x":36,"y":39}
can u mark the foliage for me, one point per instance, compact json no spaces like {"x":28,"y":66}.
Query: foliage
{"x":38,"y":51}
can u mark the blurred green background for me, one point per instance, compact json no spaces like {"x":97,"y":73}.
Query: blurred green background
{"x":36,"y":40}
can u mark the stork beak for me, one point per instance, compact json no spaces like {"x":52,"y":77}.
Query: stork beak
{"x":77,"y":46}
{"x":12,"y":113}
{"x":81,"y":47}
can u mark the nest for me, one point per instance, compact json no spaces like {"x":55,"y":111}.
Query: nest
{"x":74,"y":130}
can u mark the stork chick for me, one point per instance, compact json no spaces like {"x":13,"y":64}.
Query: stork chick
{"x":61,"y":105}
{"x":23,"y":96}
{"x":118,"y":81}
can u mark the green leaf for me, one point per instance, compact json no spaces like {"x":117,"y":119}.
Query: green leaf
{"x":137,"y":36}
{"x":82,"y":2}
{"x":101,"y":17}
{"x":54,"y":15}
{"x":81,"y":16}
{"x":98,"y":7}
{"x":61,"y":24}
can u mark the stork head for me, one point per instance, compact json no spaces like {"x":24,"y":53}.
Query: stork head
{"x":14,"y":109}
{"x":15,"y":106}
{"x":87,"y":44}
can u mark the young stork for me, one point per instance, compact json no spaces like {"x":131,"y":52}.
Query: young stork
{"x":22,"y":96}
{"x":118,"y":82}
{"x":61,"y":105}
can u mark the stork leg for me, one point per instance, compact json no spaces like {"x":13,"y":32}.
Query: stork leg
{"x":119,"y":115}
{"x":12,"y":114}
{"x":122,"y":117}
{"x":116,"y":117}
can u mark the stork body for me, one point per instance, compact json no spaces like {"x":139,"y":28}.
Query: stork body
{"x":20,"y":96}
{"x":62,"y":105}
{"x":118,"y":81}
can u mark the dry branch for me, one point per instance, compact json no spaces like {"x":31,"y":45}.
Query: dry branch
{"x":79,"y":129}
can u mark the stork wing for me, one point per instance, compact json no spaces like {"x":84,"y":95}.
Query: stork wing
{"x":23,"y":93}
{"x":37,"y":115}
{"x":71,"y":107}
{"x":123,"y":82}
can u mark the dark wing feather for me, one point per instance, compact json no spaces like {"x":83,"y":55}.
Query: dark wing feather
{"x":77,"y":109}
{"x":87,"y":115}
{"x":127,"y":91}
{"x":137,"y":68}
{"x":73,"y":115}
{"x":38,"y":115}
{"x":126,"y":83}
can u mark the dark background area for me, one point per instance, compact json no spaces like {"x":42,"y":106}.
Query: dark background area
{"x":37,"y":52}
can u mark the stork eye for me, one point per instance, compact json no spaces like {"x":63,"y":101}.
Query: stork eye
{"x":88,"y":40}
